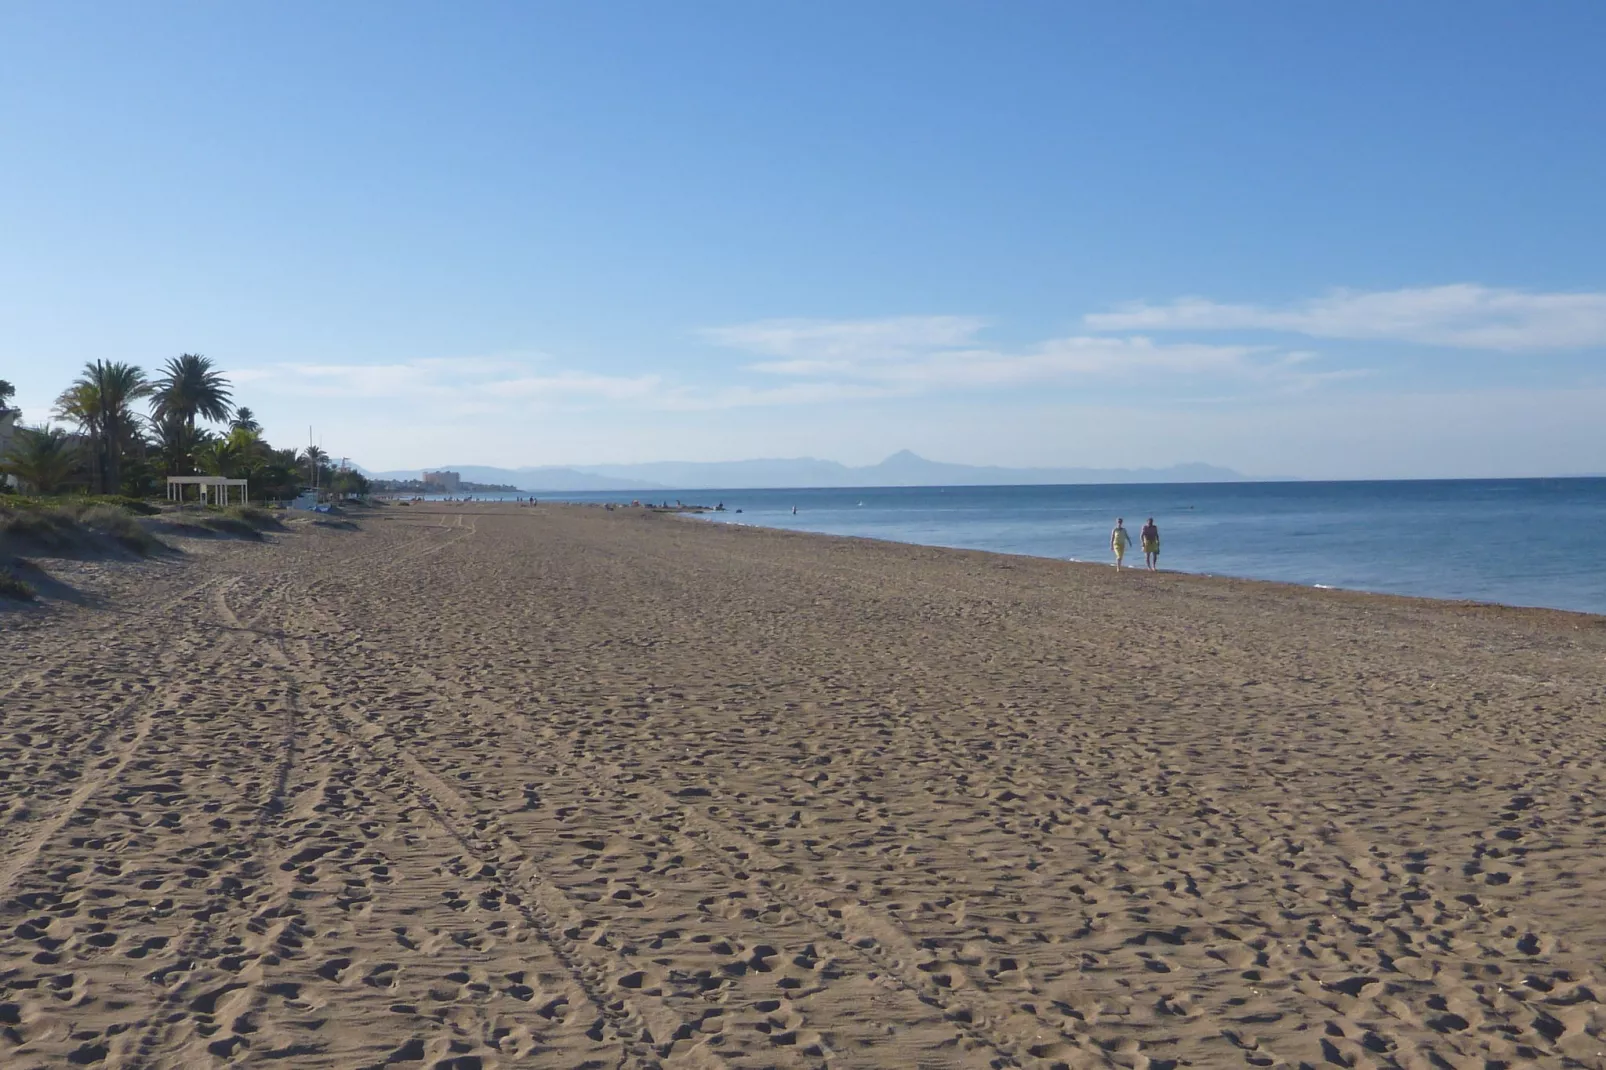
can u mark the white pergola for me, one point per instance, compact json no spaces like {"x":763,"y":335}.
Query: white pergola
{"x":212,"y":490}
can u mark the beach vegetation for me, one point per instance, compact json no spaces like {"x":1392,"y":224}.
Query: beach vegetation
{"x":191,"y":388}
{"x":73,"y":504}
{"x":121,"y":526}
{"x":48,"y":530}
{"x":239,"y":522}
{"x":13,"y":587}
{"x":256,"y":517}
{"x":347,"y":482}
{"x":100,"y":402}
{"x":112,"y":451}
{"x":43,"y":460}
{"x":316,"y":462}
{"x":77,"y":525}
{"x":176,"y":443}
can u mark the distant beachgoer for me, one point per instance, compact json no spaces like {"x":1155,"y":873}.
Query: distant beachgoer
{"x":1150,"y":537}
{"x":794,"y":510}
{"x":1119,"y":541}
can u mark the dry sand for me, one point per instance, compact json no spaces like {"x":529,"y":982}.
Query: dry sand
{"x":484,"y":786}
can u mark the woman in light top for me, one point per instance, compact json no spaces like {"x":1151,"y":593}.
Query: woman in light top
{"x":1119,"y":541}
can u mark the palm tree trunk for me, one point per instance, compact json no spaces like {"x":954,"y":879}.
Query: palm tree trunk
{"x":98,"y":475}
{"x":114,"y":459}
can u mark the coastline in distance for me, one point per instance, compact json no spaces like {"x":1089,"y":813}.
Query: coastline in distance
{"x":902,"y":469}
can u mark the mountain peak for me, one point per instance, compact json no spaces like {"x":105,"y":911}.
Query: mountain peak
{"x":903,"y":455}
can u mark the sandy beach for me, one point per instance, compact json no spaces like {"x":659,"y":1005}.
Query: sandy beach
{"x":484,"y":786}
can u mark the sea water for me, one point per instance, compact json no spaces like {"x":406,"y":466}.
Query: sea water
{"x":1528,"y":542}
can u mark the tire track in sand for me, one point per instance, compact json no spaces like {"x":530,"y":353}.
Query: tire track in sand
{"x":858,"y":929}
{"x":105,"y":771}
{"x":199,"y":934}
{"x":647,"y":1029}
{"x":135,"y":714}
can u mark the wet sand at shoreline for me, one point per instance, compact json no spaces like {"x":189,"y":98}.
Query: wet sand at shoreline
{"x":482,"y":785}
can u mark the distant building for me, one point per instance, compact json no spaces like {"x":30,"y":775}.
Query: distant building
{"x":444,"y":482}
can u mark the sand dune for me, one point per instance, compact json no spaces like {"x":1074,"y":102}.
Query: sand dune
{"x":485,"y":786}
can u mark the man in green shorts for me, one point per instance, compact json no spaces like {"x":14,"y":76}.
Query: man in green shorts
{"x":1150,"y":537}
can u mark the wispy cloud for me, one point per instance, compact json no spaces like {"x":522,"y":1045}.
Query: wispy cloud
{"x":861,"y":339}
{"x":461,"y":385}
{"x":908,"y":355}
{"x":794,"y":362}
{"x":1462,"y":315}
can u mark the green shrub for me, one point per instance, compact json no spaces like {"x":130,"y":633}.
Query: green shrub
{"x":13,"y":588}
{"x":137,"y":506}
{"x":255,"y":516}
{"x":47,"y":529}
{"x":75,"y":526}
{"x":227,"y":525}
{"x":77,"y":503}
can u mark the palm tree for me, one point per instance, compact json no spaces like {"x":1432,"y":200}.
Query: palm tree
{"x":42,"y":459}
{"x":7,"y":392}
{"x":315,"y":459}
{"x":177,"y":443}
{"x":245,"y":420}
{"x":98,"y":401}
{"x":221,"y":457}
{"x":231,"y":455}
{"x":190,"y":388}
{"x":273,"y":473}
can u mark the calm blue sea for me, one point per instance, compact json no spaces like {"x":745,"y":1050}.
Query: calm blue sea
{"x":1528,"y":542}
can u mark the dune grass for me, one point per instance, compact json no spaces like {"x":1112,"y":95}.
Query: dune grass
{"x":49,"y":529}
{"x":256,"y":517}
{"x":76,"y":503}
{"x":75,"y":525}
{"x":237,"y":521}
{"x":223,"y":524}
{"x":119,"y":524}
{"x":13,"y":588}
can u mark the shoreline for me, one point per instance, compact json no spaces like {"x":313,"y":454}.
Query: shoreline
{"x":1595,"y":619}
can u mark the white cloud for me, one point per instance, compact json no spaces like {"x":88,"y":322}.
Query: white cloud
{"x":802,"y":393}
{"x":815,"y":363}
{"x":867,"y":339}
{"x":485,"y":387}
{"x":575,"y":385}
{"x":1462,"y":315}
{"x":909,"y":355}
{"x":464,"y":386}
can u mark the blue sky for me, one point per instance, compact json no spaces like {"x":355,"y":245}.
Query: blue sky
{"x":1329,"y":241}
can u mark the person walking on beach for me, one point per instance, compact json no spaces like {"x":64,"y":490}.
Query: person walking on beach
{"x":1119,"y":541}
{"x":1150,"y":537}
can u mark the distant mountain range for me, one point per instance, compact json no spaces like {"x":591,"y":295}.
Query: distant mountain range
{"x":902,"y":469}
